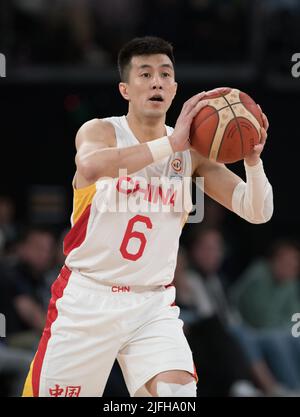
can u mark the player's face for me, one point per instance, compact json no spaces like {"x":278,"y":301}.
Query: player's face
{"x":151,"y":86}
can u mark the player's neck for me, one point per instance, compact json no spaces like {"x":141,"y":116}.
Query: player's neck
{"x":146,"y":128}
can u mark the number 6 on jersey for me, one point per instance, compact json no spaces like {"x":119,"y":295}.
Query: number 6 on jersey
{"x":129,"y":234}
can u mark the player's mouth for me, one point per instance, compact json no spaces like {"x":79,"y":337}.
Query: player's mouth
{"x":156,"y":98}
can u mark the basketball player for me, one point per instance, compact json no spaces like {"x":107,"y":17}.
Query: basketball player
{"x":112,"y":298}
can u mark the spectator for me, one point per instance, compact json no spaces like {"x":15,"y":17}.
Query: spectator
{"x":217,"y":356}
{"x":13,"y":362}
{"x":25,"y":281}
{"x":267,"y":295}
{"x":223,"y":324}
{"x":275,"y":279}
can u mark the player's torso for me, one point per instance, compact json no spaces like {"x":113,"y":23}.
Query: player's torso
{"x":126,"y":230}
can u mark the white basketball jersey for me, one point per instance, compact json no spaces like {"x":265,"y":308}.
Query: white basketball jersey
{"x":125,"y":231}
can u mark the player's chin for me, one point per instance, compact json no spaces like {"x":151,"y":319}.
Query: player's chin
{"x":155,"y":112}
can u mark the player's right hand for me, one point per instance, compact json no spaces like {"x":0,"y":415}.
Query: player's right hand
{"x":180,"y":137}
{"x":254,"y":157}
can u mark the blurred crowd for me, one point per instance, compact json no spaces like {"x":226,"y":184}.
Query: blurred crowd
{"x":90,"y":32}
{"x":240,"y":330}
{"x":30,"y":260}
{"x":240,"y":334}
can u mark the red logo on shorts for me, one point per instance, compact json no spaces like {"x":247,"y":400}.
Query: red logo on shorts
{"x":69,"y":391}
{"x":73,"y":391}
{"x":56,"y":392}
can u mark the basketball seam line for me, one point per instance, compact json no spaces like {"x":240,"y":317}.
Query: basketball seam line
{"x":215,"y":111}
{"x":238,"y":125}
{"x":216,"y":128}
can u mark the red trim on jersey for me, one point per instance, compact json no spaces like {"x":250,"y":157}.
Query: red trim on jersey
{"x":73,"y":239}
{"x":195,"y":375}
{"x":77,"y":234}
{"x":57,"y":290}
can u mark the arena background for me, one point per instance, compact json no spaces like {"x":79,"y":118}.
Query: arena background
{"x":61,"y":71}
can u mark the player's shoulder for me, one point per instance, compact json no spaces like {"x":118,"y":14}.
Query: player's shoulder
{"x":94,"y":130}
{"x":97,"y":125}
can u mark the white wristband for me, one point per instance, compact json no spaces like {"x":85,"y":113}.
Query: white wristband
{"x":160,"y":148}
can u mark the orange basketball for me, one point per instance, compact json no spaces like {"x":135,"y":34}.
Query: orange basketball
{"x":227,"y":129}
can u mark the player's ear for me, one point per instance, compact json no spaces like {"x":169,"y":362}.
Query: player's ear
{"x":175,"y":89}
{"x":123,"y":88}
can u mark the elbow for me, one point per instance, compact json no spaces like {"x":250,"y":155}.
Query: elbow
{"x":92,"y":167}
{"x":259,"y":220}
{"x":264,"y":217}
{"x":86,"y":168}
{"x":268,"y":207}
{"x":255,"y":220}
{"x":268,"y":217}
{"x":265,"y":213}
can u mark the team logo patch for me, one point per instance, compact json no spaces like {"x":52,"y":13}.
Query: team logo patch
{"x":177,"y":164}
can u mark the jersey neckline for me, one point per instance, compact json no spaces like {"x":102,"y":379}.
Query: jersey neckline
{"x":125,"y":124}
{"x":127,"y":128}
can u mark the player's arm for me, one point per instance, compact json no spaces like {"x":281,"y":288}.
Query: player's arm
{"x":97,"y":155}
{"x":251,"y":200}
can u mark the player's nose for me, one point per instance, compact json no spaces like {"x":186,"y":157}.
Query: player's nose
{"x":156,"y":82}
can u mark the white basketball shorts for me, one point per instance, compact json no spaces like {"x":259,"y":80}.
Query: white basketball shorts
{"x":89,"y":325}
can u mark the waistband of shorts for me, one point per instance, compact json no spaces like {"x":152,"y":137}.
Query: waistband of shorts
{"x":77,"y":278}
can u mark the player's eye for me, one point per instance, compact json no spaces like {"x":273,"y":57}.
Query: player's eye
{"x":146,"y":74}
{"x":166,"y":74}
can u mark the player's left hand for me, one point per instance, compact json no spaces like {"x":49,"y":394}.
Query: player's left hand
{"x":254,"y":157}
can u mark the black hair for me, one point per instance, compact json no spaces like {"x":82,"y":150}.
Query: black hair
{"x":147,"y":45}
